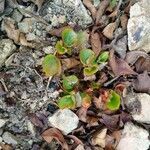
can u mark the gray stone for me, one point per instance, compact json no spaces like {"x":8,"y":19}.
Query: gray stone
{"x":17,"y":16}
{"x":133,"y":138}
{"x":2,"y":122}
{"x":71,"y":11}
{"x":26,"y":25}
{"x":144,"y":114}
{"x":139,"y":26}
{"x":138,"y":105}
{"x":9,"y":138}
{"x":7,"y":47}
{"x":65,"y":120}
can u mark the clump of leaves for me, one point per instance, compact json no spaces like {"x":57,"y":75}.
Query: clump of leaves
{"x":113,"y":102}
{"x":90,"y":61}
{"x":51,"y":65}
{"x":70,"y":39}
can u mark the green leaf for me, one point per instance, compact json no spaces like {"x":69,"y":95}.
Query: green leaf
{"x":69,"y":82}
{"x":67,"y":101}
{"x":88,"y":71}
{"x":69,"y":37}
{"x":60,"y":48}
{"x":86,"y":100}
{"x":95,"y":85}
{"x":81,"y":40}
{"x":103,"y":57}
{"x":51,"y":65}
{"x":114,"y":101}
{"x":113,"y":3}
{"x":87,"y":57}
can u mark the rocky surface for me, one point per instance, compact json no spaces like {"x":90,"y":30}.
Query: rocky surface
{"x":65,"y":120}
{"x":133,"y":138}
{"x":9,"y":138}
{"x":61,"y":11}
{"x":2,"y":122}
{"x":139,"y":26}
{"x":7,"y":47}
{"x":139,"y":105}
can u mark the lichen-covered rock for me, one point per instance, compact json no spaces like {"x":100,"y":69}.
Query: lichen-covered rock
{"x":139,"y":106}
{"x":133,"y":138}
{"x":7,"y":47}
{"x":65,"y":120}
{"x":70,"y":11}
{"x":139,"y":26}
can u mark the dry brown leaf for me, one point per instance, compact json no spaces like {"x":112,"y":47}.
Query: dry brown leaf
{"x":109,"y":30}
{"x":23,"y":41}
{"x":114,"y":13}
{"x":53,"y":133}
{"x":102,"y":7}
{"x":133,"y":56}
{"x":111,"y":122}
{"x":35,"y":120}
{"x":98,"y":102}
{"x":75,"y":139}
{"x":91,"y":7}
{"x":119,"y":66}
{"x":12,"y":33}
{"x":124,"y":21}
{"x":95,"y":42}
{"x":142,"y":83}
{"x":69,"y":63}
{"x":92,"y":121}
{"x":100,"y":138}
{"x":5,"y":147}
{"x":143,"y":64}
{"x":82,"y":114}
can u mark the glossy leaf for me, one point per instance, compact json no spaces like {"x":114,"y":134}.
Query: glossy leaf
{"x":67,"y":101}
{"x":88,"y":71}
{"x":51,"y":65}
{"x":69,"y":82}
{"x":69,"y":37}
{"x":87,"y":57}
{"x":103,"y":57}
{"x":60,"y":48}
{"x":113,"y":101}
{"x":86,"y":100}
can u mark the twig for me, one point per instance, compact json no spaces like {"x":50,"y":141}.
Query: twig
{"x":111,"y":81}
{"x":48,"y":83}
{"x":4,"y":85}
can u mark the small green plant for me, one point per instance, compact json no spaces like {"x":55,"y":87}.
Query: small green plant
{"x":90,"y":62}
{"x":70,"y":84}
{"x":51,"y":65}
{"x":113,"y":102}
